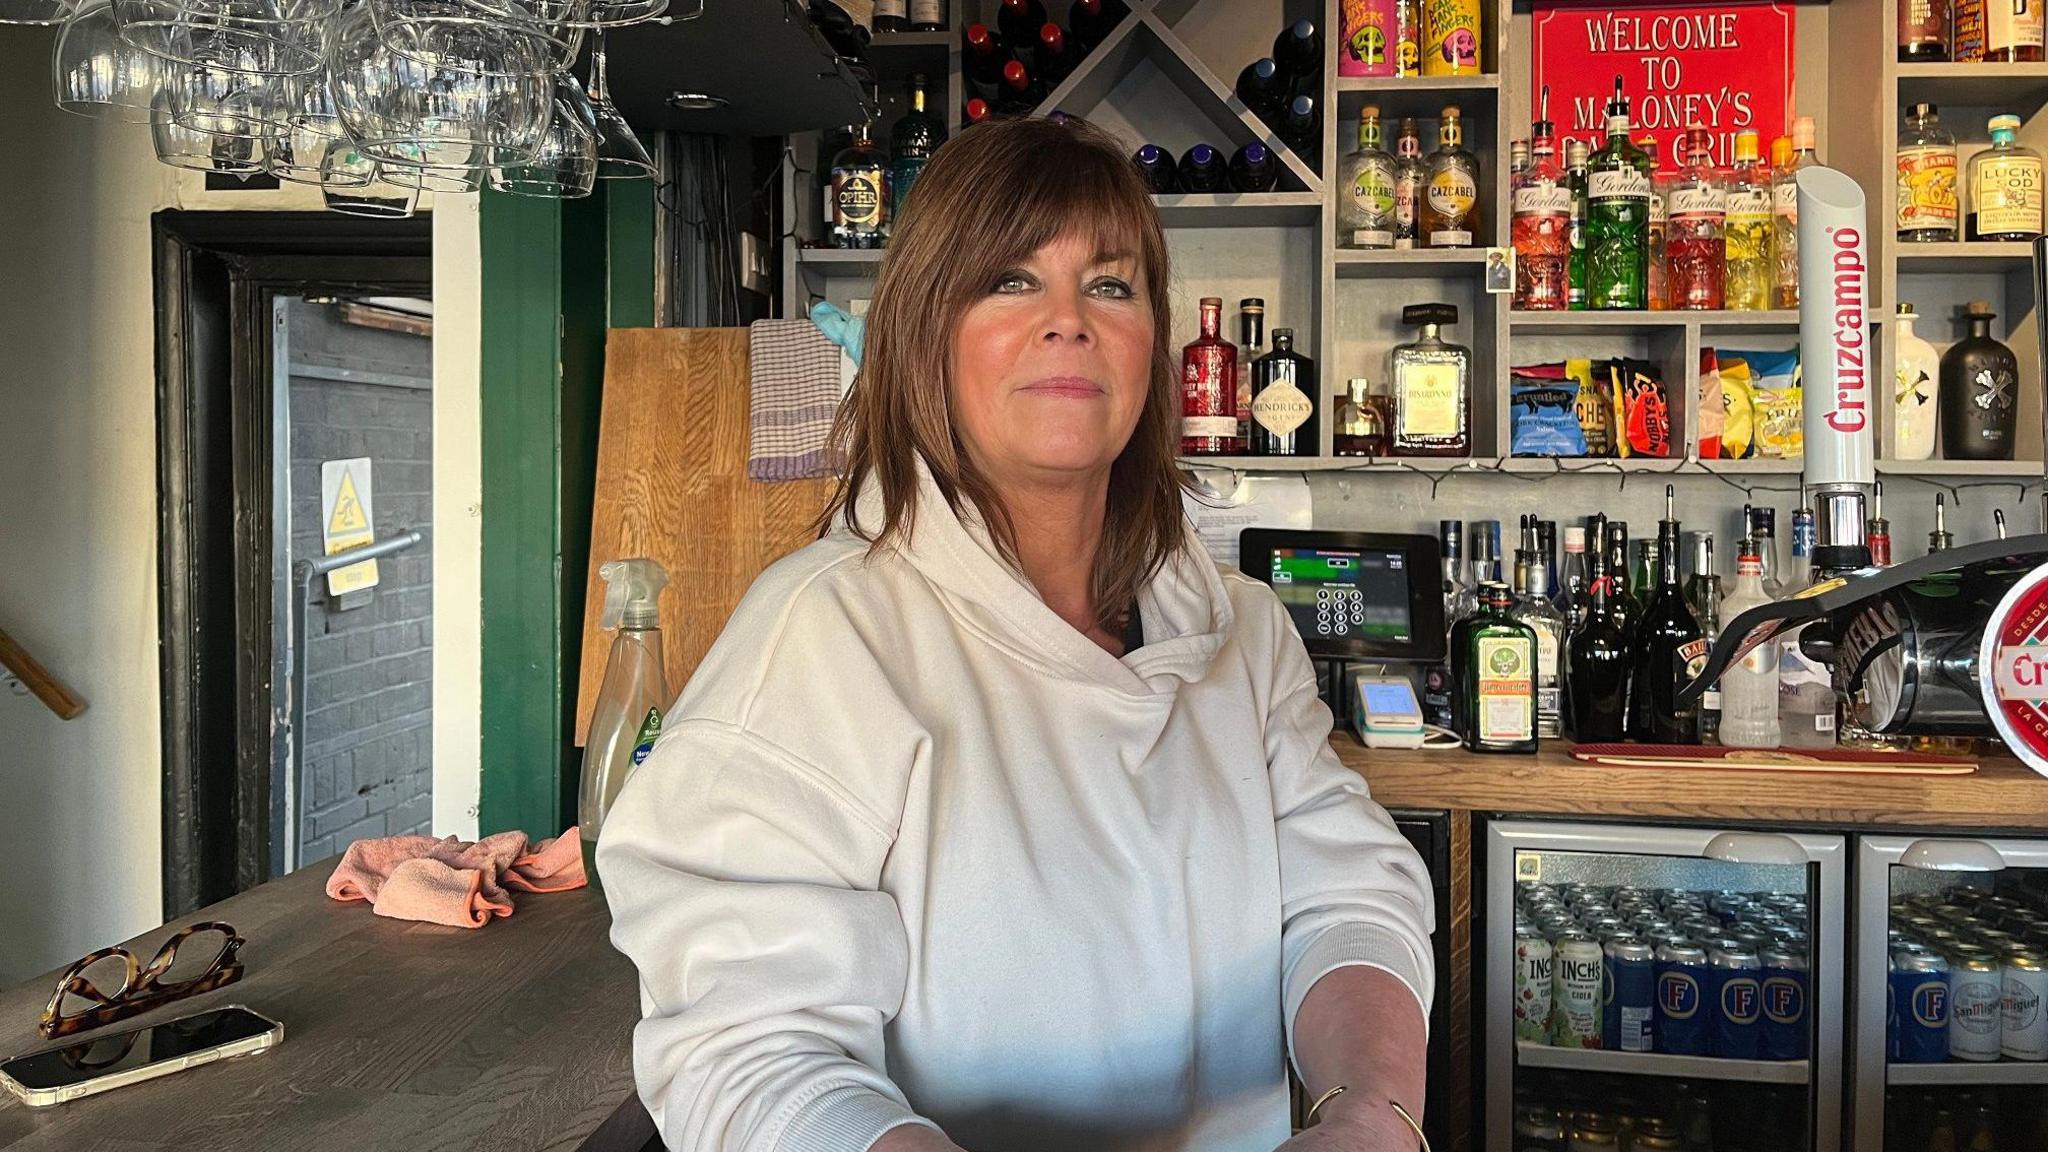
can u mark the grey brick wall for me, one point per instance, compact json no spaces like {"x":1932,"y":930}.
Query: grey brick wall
{"x":368,"y":742}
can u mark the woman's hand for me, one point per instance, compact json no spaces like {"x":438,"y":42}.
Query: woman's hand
{"x":1363,"y":1126}
{"x":916,"y":1138}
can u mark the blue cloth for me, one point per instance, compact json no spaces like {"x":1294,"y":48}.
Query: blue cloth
{"x":846,"y":331}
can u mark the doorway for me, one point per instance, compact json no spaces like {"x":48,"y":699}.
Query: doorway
{"x":286,"y":343}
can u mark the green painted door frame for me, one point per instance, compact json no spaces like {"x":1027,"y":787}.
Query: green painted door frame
{"x":556,"y":274}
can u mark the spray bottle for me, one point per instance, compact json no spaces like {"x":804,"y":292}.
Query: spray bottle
{"x":627,"y":717}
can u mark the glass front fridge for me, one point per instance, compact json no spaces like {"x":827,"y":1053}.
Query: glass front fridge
{"x":1662,"y":988}
{"x":1950,"y":1039}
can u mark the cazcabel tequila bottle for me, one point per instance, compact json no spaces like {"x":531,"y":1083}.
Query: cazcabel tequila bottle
{"x":1542,"y":228}
{"x":1617,"y":217}
{"x":1365,"y":213}
{"x":1694,"y":246}
{"x":1450,"y":200}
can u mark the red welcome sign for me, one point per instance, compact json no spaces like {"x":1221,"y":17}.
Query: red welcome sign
{"x":1723,"y":67}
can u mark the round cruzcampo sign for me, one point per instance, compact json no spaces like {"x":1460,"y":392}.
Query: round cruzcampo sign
{"x":2012,"y":669}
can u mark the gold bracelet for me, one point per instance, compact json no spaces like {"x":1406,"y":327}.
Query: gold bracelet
{"x":1325,"y":1098}
{"x":1340,"y":1089}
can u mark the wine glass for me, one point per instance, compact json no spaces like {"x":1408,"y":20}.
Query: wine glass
{"x":620,"y":155}
{"x":96,"y":73}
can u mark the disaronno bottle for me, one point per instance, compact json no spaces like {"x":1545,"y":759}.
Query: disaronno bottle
{"x":2005,"y":187}
{"x":1283,"y":400}
{"x":1432,"y":387}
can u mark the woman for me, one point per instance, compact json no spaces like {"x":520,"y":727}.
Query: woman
{"x":1001,"y":818}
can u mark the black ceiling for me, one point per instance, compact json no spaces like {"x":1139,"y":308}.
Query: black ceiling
{"x":774,"y":71}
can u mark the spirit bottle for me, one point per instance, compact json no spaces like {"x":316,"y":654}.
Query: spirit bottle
{"x":1360,"y":426}
{"x":1495,"y":671}
{"x":1617,"y":217}
{"x":1752,"y":265}
{"x":1979,"y":387}
{"x":1432,"y":387}
{"x":1535,"y":612}
{"x":1597,"y":663}
{"x":1703,"y":596}
{"x":860,"y":194}
{"x":1411,"y":172}
{"x":1806,"y":694}
{"x":1542,"y":228}
{"x":1251,"y":344}
{"x":1366,"y":211}
{"x":1926,"y":178}
{"x":2012,"y":31}
{"x":1208,"y":389}
{"x":912,"y":140}
{"x":2005,"y":186}
{"x":1785,"y":207}
{"x":1575,"y":179}
{"x":1661,"y":184}
{"x":1749,"y":687}
{"x":1917,"y":371}
{"x":1923,"y":31}
{"x":1518,"y":164}
{"x":1693,"y":250}
{"x":1670,"y":649}
{"x":1450,"y":201}
{"x":1283,"y":401}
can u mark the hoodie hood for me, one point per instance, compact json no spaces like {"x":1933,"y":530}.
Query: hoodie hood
{"x":1185,"y":607}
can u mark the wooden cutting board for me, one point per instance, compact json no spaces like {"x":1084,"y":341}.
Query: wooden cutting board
{"x":672,"y":485}
{"x":1710,"y":758}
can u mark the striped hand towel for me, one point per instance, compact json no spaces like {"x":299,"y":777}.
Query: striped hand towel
{"x":795,"y":394}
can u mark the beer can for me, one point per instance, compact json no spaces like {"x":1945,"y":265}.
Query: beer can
{"x":1995,"y":938}
{"x":1539,"y":1129}
{"x":1953,"y":913}
{"x":1575,"y":992}
{"x":1734,"y":996}
{"x":1729,"y":904}
{"x":1681,"y":1015}
{"x":1606,"y":927}
{"x":1534,"y":958}
{"x":1784,"y":1032}
{"x":1919,"y":1006}
{"x":1655,"y":1134}
{"x":1976,"y":995}
{"x":1752,"y":936}
{"x":1628,"y":979}
{"x":2024,"y":1034}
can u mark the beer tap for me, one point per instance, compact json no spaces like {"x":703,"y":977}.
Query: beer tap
{"x":1941,"y":539}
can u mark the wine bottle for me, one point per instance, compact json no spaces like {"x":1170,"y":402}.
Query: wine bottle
{"x":982,"y":58}
{"x":1203,"y":169}
{"x":1597,"y":662}
{"x":1301,"y":129}
{"x":1056,"y":55}
{"x":1019,"y":21}
{"x":1254,"y":169}
{"x":1298,"y":49}
{"x":1156,"y":165}
{"x":1021,"y":90}
{"x":1670,"y":648}
{"x":1262,"y":89}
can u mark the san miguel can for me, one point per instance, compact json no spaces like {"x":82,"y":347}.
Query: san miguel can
{"x":1575,"y":992}
{"x":1976,"y":1004}
{"x":1919,"y":1008}
{"x":2025,"y":1032}
{"x":1629,"y":980}
{"x":1681,"y":1016}
{"x":1735,"y":999}
{"x":1533,"y":961}
{"x":1784,"y":1004}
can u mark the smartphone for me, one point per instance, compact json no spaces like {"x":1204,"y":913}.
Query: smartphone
{"x":97,"y":1064}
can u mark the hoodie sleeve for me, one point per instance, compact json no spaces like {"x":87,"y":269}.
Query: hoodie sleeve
{"x":742,"y":882}
{"x":1353,"y":890}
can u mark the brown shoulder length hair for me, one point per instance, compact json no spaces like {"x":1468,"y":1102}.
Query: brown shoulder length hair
{"x":988,"y":199}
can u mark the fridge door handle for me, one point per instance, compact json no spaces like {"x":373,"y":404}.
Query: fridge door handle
{"x":1952,"y":856}
{"x":1755,"y":848}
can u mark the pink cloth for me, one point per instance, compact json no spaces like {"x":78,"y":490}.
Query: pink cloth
{"x":448,"y":881}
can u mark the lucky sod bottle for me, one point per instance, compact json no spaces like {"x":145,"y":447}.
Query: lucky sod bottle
{"x":1694,"y":248}
{"x":1497,"y":677}
{"x":1749,"y":687}
{"x":1365,"y":212}
{"x":2005,"y":187}
{"x":1617,"y":217}
{"x":1542,"y":228}
{"x":1752,"y":265}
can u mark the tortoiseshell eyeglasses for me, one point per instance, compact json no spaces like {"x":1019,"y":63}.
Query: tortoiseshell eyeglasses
{"x":198,"y":959}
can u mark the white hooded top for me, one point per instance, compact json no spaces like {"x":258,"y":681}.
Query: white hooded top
{"x":911,"y":849}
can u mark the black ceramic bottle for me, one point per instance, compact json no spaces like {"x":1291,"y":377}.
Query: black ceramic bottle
{"x":1284,"y":418}
{"x":1979,"y":392}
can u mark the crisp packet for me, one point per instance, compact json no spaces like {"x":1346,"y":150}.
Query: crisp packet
{"x":1543,"y":415}
{"x":1645,"y":408}
{"x":1712,"y":416}
{"x":1778,"y":431}
{"x":1738,"y":409}
{"x":1595,"y":409}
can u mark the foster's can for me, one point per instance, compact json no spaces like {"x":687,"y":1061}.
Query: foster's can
{"x":1919,"y":1006}
{"x":1784,"y":1004}
{"x":1681,"y":1015}
{"x":1735,"y":1000}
